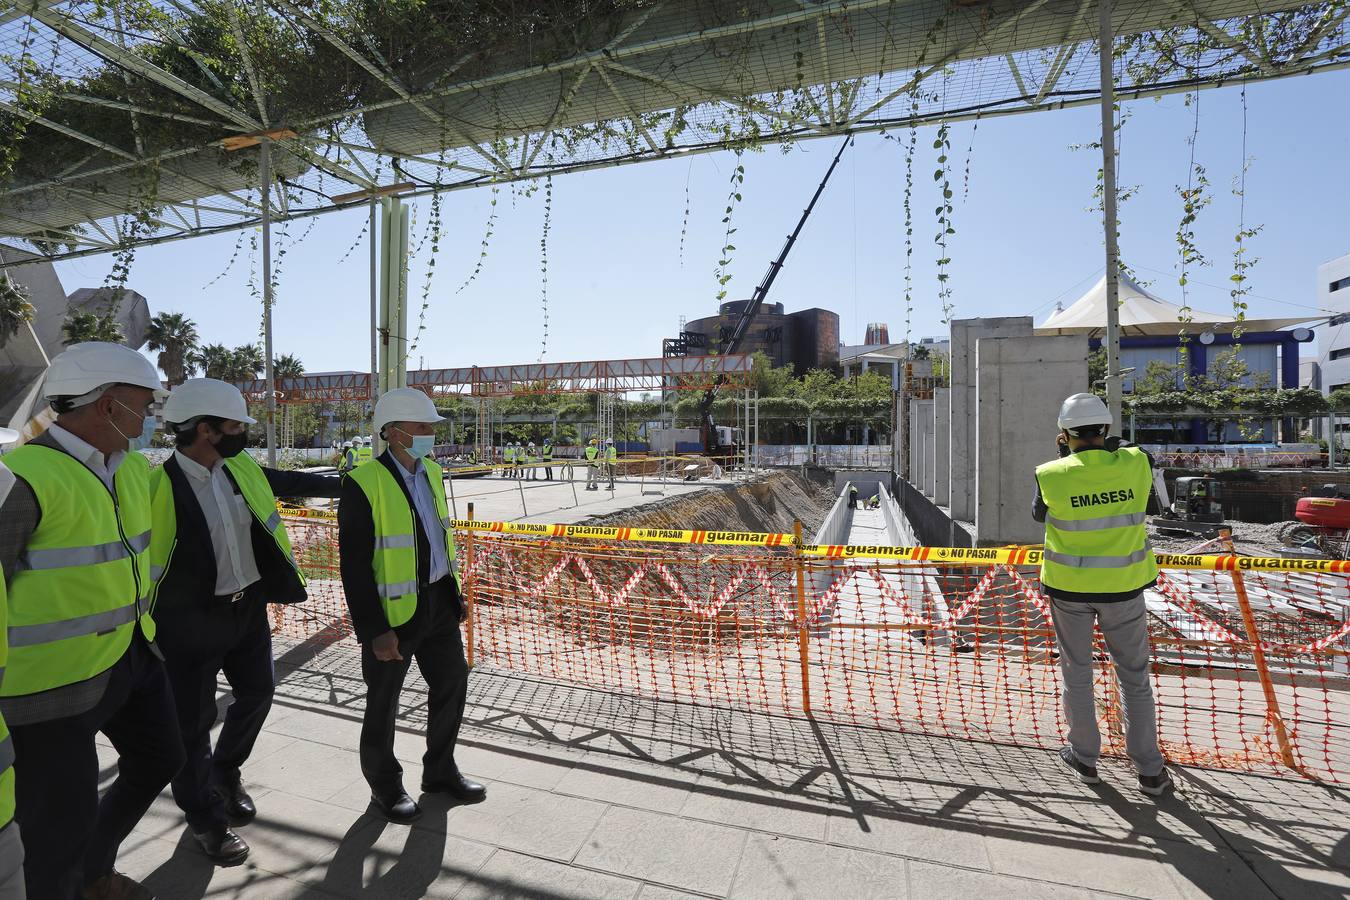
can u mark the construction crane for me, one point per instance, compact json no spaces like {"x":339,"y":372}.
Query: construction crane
{"x":711,"y":444}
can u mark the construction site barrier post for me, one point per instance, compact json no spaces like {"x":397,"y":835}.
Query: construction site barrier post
{"x":1259,"y":659}
{"x":467,"y":591}
{"x":803,"y":636}
{"x":454,"y":508}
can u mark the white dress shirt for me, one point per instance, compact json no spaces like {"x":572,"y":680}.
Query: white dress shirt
{"x":425,"y":503}
{"x":87,"y":453}
{"x":230,"y":522}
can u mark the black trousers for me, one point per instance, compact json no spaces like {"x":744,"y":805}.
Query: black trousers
{"x":244,"y":655}
{"x":439,"y":651}
{"x":70,"y":836}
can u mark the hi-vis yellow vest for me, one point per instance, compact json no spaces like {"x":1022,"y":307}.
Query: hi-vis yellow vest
{"x":83,"y":579}
{"x":257,"y":494}
{"x":6,"y":742}
{"x":364,"y":453}
{"x":395,"y":537}
{"x":1095,"y":538}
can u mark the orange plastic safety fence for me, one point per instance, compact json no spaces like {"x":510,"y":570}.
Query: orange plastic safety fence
{"x":952,"y":650}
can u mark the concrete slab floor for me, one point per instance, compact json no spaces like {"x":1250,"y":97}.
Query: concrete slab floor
{"x":595,"y":795}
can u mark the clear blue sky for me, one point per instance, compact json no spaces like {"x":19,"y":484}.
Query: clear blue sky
{"x":617,"y":284}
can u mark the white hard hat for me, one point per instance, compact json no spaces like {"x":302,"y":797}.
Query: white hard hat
{"x":206,"y":397}
{"x":346,"y":443}
{"x":1083,"y":409}
{"x":8,"y":435}
{"x":81,"y":370}
{"x":405,"y":405}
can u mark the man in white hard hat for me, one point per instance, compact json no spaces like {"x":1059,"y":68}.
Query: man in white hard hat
{"x":219,"y":554}
{"x":75,"y":550}
{"x":11,"y":846}
{"x":1096,"y":565}
{"x":611,"y":460}
{"x":398,"y":571}
{"x":348,"y":460}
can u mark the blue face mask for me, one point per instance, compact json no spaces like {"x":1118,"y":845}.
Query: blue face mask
{"x":422,"y":444}
{"x":148,"y":428}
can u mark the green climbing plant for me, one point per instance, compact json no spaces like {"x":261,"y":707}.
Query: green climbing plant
{"x":722,"y":273}
{"x":942,"y":175}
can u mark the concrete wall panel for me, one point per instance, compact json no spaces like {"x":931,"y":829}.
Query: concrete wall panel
{"x":942,"y":414}
{"x":1020,"y":385}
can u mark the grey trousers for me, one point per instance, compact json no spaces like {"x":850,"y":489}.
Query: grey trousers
{"x":1124,"y":627}
{"x":11,"y":863}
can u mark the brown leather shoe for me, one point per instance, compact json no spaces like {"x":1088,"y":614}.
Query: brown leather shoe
{"x":116,"y":886}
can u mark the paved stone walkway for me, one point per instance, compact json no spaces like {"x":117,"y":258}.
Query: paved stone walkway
{"x":593,"y":795}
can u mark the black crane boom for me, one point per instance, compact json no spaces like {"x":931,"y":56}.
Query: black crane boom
{"x":733,"y":341}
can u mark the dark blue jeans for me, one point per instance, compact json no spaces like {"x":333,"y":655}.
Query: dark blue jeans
{"x":71,"y":837}
{"x":245,"y":657}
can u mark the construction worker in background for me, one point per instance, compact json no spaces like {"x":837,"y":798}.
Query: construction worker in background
{"x":611,"y":460}
{"x":11,"y":846}
{"x":1096,"y":564}
{"x":520,"y":460}
{"x":592,"y":466}
{"x":364,"y":451}
{"x":548,"y":459}
{"x":398,"y":571}
{"x":348,"y":458}
{"x":219,"y":554}
{"x":852,"y":497}
{"x":75,"y":550}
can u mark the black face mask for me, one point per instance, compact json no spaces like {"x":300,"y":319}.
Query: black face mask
{"x":231,"y":444}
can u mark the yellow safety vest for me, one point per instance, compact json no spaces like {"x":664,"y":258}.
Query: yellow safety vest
{"x":1095,"y":538}
{"x":257,"y":494}
{"x":363,"y":454}
{"x":592,"y":453}
{"x":548,"y":453}
{"x":82,"y":580}
{"x":509,"y":454}
{"x":6,"y":742}
{"x":611,"y":454}
{"x":396,"y":538}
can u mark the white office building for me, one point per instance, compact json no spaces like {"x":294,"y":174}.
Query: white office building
{"x":1333,"y":294}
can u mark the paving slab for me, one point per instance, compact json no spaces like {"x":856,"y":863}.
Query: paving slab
{"x":682,"y":853}
{"x":508,"y":876}
{"x":933,"y":882}
{"x":776,"y":868}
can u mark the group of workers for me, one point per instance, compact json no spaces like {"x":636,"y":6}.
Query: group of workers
{"x":127,"y":592}
{"x":526,"y":461}
{"x":872,"y":502}
{"x":600,"y":462}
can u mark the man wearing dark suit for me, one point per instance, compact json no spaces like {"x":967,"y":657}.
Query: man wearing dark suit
{"x":398,"y":572}
{"x":219,"y":555}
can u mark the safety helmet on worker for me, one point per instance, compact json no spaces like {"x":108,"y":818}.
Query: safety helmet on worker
{"x":200,"y":397}
{"x":1083,"y":410}
{"x":8,"y":436}
{"x":346,"y":444}
{"x":404,"y":405}
{"x":83,"y":372}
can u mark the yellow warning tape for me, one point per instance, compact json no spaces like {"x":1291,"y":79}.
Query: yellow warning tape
{"x":1003,"y":556}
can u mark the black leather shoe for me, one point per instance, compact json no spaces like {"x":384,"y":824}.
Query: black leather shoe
{"x":238,"y":804}
{"x":457,"y":786}
{"x":223,"y":846}
{"x":398,"y":808}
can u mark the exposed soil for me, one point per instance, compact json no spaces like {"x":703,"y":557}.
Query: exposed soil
{"x":766,"y":504}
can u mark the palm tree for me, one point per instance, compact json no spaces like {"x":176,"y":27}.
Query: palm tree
{"x":174,"y":337}
{"x":215,"y":361}
{"x":15,"y":310}
{"x":80,"y":327}
{"x":287,"y":366}
{"x":246,"y":362}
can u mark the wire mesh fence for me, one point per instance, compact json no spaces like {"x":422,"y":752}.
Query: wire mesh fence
{"x":1251,"y":669}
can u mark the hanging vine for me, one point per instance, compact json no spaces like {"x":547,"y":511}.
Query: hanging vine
{"x":1242,"y":263}
{"x":970,"y":152}
{"x":684,"y":225}
{"x":487,"y":237}
{"x":733,"y":197}
{"x":543,"y":262}
{"x":234,"y":255}
{"x":942,"y":174}
{"x":1194,"y":197}
{"x":909,"y":232}
{"x":435,"y":227}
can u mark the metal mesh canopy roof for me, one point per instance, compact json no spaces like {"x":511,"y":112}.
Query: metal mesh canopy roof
{"x":118,"y":115}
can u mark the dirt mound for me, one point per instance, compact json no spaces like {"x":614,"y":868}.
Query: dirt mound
{"x":767,"y":504}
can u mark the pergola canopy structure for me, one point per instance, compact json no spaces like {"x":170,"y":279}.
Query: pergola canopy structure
{"x":134,"y":121}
